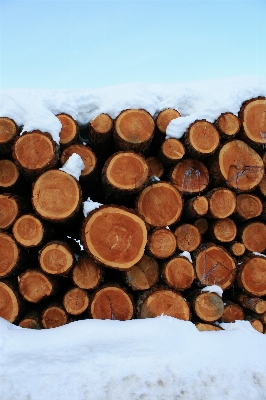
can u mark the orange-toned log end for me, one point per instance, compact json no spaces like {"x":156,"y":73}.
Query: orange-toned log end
{"x":87,"y":155}
{"x":252,"y":115}
{"x":56,"y":258}
{"x":9,"y":254}
{"x":56,"y":196}
{"x":241,"y":167}
{"x":197,"y":207}
{"x":202,"y":327}
{"x":188,"y":237}
{"x":161,"y":243}
{"x":28,"y":230}
{"x":208,"y":306}
{"x":134,"y":129}
{"x":222,"y":202}
{"x":178,"y":273}
{"x":237,"y":249}
{"x":9,"y":210}
{"x":166,"y":302}
{"x":190,"y":176}
{"x":8,"y":132}
{"x":9,"y":307}
{"x":126,"y":171}
{"x":76,"y":301}
{"x":114,"y":237}
{"x":34,"y":285}
{"x":228,"y":125}
{"x":86,"y":274}
{"x":160,"y":204}
{"x":248,"y":206}
{"x":112,"y":302}
{"x":254,"y":236}
{"x":252,"y":276}
{"x":165,"y":117}
{"x":101,"y":125}
{"x":9,"y":174}
{"x":214,"y":266}
{"x":202,"y":225}
{"x":224,"y":230}
{"x":29,"y":323}
{"x":54,"y":316}
{"x":257,"y":325}
{"x":232,"y":312}
{"x":156,"y":168}
{"x":171,"y":151}
{"x":202,"y":138}
{"x":69,"y":130}
{"x":144,"y":274}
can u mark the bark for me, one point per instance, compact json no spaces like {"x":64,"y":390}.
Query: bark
{"x":248,"y":206}
{"x":161,"y":243}
{"x":53,"y":316}
{"x":8,"y":134}
{"x":56,"y":258}
{"x":190,"y":176}
{"x":253,"y":235}
{"x":171,"y":151}
{"x":76,"y":301}
{"x":201,"y":139}
{"x":228,"y":125}
{"x":86,"y":274}
{"x":34,"y":285}
{"x":178,"y":273}
{"x":222,"y":230}
{"x":11,"y":206}
{"x":251,"y":276}
{"x":156,"y":168}
{"x":207,"y":306}
{"x":188,"y":237}
{"x":144,"y":274}
{"x":69,"y":131}
{"x":222,"y":202}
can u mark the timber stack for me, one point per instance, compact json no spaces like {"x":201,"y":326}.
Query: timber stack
{"x":176,"y":216}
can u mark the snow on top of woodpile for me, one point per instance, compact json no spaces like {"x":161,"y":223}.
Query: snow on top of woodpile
{"x":213,"y":289}
{"x":73,"y":166}
{"x":36,"y":109}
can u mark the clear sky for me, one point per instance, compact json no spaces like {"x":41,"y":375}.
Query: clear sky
{"x":86,"y":44}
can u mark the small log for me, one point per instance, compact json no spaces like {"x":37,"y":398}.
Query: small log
{"x":188,"y":237}
{"x":196,"y":207}
{"x":232,"y":312}
{"x":56,"y":258}
{"x":11,"y":180}
{"x":53,"y":316}
{"x":207,"y":306}
{"x":190,"y":176}
{"x":134,"y":129}
{"x":69,"y":131}
{"x":86,"y":274}
{"x":255,"y":322}
{"x":112,"y":302}
{"x":34,"y":285}
{"x":160,"y":204}
{"x":248,"y":206}
{"x":11,"y":206}
{"x":156,"y":168}
{"x":171,"y":151}
{"x":222,"y":202}
{"x":144,"y":274}
{"x":214,"y":266}
{"x":252,"y":116}
{"x":254,"y":304}
{"x":76,"y":301}
{"x":11,"y":305}
{"x":162,"y":120}
{"x":56,"y":196}
{"x":261,"y":188}
{"x":228,"y":125}
{"x":160,"y":301}
{"x":235,"y":248}
{"x":31,"y":320}
{"x":30,"y":231}
{"x":253,"y":235}
{"x":13,"y":258}
{"x":202,"y":225}
{"x":201,"y":139}
{"x":202,"y":327}
{"x":100,"y":136}
{"x":178,"y":273}
{"x":161,"y":243}
{"x":114,"y":237}
{"x":8,"y":134}
{"x":34,"y":153}
{"x":222,"y":230}
{"x":251,"y":276}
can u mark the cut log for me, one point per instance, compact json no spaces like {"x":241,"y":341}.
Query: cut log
{"x":202,"y":225}
{"x":214,"y":266}
{"x":222,"y":202}
{"x":69,"y":131}
{"x":112,"y":302}
{"x":10,"y":304}
{"x":251,"y":276}
{"x":237,"y":249}
{"x":201,"y":139}
{"x":254,"y":322}
{"x":196,"y":207}
{"x":11,"y":206}
{"x":171,"y":151}
{"x":134,"y":129}
{"x":238,"y":166}
{"x":144,"y":274}
{"x":34,"y":285}
{"x":207,"y":306}
{"x":34,"y":153}
{"x":228,"y":125}
{"x":76,"y":301}
{"x":190,"y":176}
{"x":254,"y":304}
{"x":100,"y":130}
{"x":222,"y":230}
{"x":8,"y":134}
{"x":124,"y":175}
{"x":163,"y":301}
{"x":56,"y":196}
{"x":252,"y":115}
{"x":261,"y":188}
{"x":86,"y":274}
{"x":11,"y":180}
{"x":12,"y":257}
{"x":161,"y":243}
{"x":156,"y":168}
{"x":30,"y":231}
{"x":248,"y":206}
{"x":178,"y":273}
{"x":53,"y":316}
{"x":232,"y":312}
{"x":56,"y":258}
{"x":32,"y":320}
{"x":164,"y":118}
{"x":202,"y":327}
{"x":253,"y":235}
{"x":160,"y":204}
{"x":188,"y":237}
{"x":114,"y":237}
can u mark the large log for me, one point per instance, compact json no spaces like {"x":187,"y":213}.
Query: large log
{"x":144,"y":274}
{"x":190,"y":176}
{"x":8,"y":134}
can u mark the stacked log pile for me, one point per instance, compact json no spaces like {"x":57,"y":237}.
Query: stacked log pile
{"x":163,"y":201}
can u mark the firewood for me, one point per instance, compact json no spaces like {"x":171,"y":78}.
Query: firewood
{"x":222,"y":230}
{"x":69,"y":131}
{"x":53,"y":316}
{"x":201,"y":139}
{"x":160,"y":204}
{"x":11,"y":206}
{"x":76,"y":301}
{"x":202,"y":225}
{"x":178,"y":273}
{"x":222,"y":202}
{"x":30,"y":231}
{"x":56,"y":258}
{"x":202,"y":327}
{"x":261,"y":188}
{"x":86,"y":274}
{"x":11,"y":180}
{"x":255,"y":304}
{"x":156,"y":168}
{"x":11,"y":304}
{"x":196,"y":207}
{"x":248,"y":206}
{"x":254,"y":321}
{"x":8,"y":134}
{"x":31,"y":320}
{"x":188,"y":237}
{"x":228,"y":125}
{"x":235,"y":248}
{"x":171,"y":151}
{"x":253,"y":235}
{"x":162,"y":120}
{"x":100,"y":137}
{"x":34,"y":285}
{"x":251,"y":276}
{"x":112,"y":302}
{"x":232,"y":312}
{"x":144,"y":274}
{"x":114,"y":236}
{"x":34,"y":153}
{"x":161,"y":243}
{"x":207,"y":306}
{"x":13,"y":257}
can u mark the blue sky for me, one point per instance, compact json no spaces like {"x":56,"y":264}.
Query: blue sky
{"x":86,"y":44}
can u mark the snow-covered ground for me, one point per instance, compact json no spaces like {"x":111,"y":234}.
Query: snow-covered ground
{"x":160,"y":358}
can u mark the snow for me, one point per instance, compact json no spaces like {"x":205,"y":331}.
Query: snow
{"x":73,"y":166}
{"x":187,"y":255}
{"x":89,"y":206}
{"x":213,"y":289}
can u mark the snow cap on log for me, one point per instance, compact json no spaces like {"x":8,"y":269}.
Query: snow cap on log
{"x":73,"y":166}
